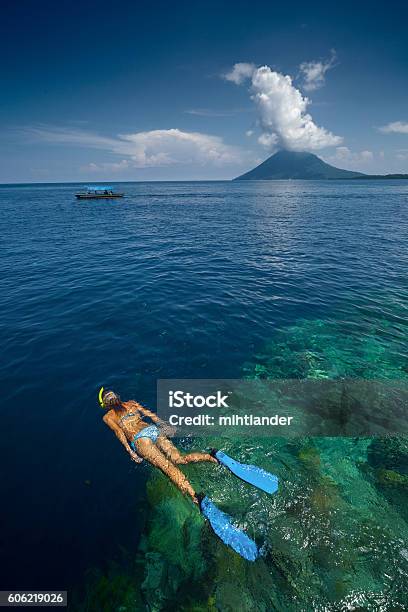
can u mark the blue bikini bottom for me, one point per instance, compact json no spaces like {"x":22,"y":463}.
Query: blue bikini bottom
{"x":151,"y":432}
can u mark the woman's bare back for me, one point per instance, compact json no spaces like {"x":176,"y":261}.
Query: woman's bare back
{"x":130,"y":419}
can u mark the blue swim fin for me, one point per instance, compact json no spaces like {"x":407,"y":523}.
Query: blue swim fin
{"x":250,"y":473}
{"x":229,"y":534}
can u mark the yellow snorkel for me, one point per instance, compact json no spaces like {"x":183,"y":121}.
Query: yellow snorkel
{"x":102,"y":405}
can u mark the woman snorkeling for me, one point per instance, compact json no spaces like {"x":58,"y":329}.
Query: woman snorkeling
{"x":149,"y":442}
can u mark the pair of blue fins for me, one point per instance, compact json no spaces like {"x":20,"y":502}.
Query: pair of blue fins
{"x":220,"y":522}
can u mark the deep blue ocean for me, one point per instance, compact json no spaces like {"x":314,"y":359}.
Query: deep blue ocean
{"x":177,"y":280}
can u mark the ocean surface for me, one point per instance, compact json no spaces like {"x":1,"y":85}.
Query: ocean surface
{"x":199,"y":280}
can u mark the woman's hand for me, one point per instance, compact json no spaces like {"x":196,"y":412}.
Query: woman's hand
{"x":135,"y":457}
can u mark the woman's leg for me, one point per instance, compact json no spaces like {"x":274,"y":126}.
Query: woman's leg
{"x":149,"y":451}
{"x":176,"y":457}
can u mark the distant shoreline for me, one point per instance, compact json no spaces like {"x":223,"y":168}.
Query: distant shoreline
{"x":383,"y":176}
{"x":363,"y":177}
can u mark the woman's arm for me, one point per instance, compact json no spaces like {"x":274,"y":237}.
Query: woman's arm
{"x":146,"y":412}
{"x":121,"y":437}
{"x":165,"y":428}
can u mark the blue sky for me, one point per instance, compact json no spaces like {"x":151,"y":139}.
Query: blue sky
{"x":96,"y":91}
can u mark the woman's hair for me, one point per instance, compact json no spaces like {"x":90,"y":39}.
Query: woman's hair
{"x":110,"y":399}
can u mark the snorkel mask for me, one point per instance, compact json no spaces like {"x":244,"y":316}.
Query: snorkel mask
{"x":108,"y":399}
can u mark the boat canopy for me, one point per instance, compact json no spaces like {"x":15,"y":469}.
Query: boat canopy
{"x":99,"y":187}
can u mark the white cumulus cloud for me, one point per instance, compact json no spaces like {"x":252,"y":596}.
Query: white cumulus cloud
{"x":314,"y":73}
{"x":154,"y":148}
{"x":351,"y":160}
{"x":282,"y":111}
{"x":240,"y":72}
{"x":163,"y":147}
{"x":395,"y":127}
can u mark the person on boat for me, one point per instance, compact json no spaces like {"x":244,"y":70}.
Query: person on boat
{"x":149,"y":442}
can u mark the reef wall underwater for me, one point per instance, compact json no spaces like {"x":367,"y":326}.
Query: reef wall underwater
{"x":334,"y":537}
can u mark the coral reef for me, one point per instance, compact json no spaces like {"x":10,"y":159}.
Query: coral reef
{"x":333,"y":537}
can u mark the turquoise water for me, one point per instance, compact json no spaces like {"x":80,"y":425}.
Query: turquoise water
{"x":200,"y":280}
